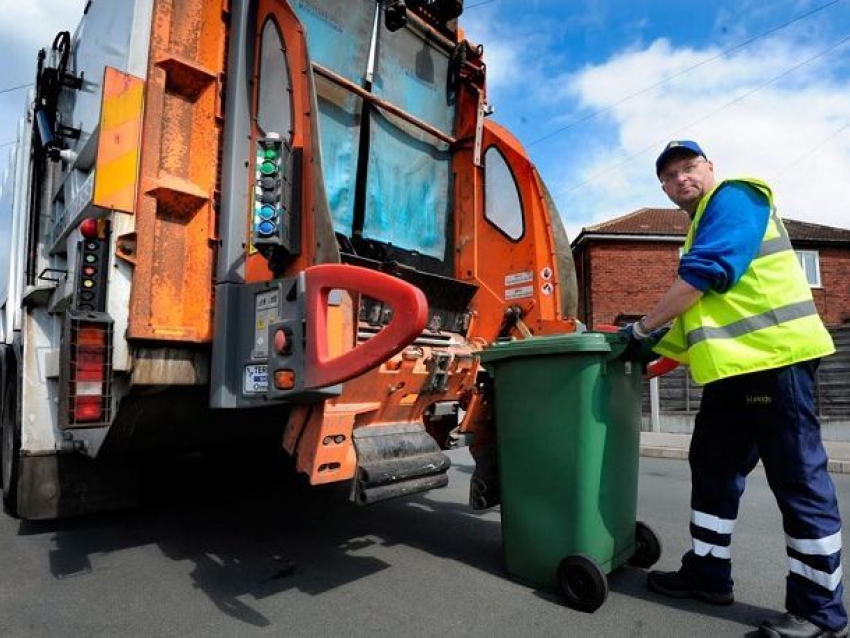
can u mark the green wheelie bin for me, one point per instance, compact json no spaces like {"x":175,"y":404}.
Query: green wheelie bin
{"x":567,"y":411}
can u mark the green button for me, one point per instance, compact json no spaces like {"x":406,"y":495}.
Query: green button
{"x":268,"y":168}
{"x":270,"y":153}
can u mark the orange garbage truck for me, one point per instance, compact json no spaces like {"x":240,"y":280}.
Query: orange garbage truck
{"x":284,"y":222}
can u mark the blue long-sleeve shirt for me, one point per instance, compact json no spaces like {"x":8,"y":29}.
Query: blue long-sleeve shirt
{"x":727,"y":239}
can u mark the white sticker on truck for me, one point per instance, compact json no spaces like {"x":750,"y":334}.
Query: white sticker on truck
{"x":265,"y":313}
{"x":256,"y":379}
{"x":519,"y":293}
{"x":514,"y":279}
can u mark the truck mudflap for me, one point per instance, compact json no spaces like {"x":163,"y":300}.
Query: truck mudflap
{"x":65,"y":485}
{"x":396,"y":460}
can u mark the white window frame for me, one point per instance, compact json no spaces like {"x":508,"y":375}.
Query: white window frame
{"x":800,"y":258}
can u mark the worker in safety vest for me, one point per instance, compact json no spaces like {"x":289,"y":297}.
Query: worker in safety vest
{"x":745,"y":322}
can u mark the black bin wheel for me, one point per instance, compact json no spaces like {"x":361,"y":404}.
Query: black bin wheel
{"x":647,"y":546}
{"x":583,"y":583}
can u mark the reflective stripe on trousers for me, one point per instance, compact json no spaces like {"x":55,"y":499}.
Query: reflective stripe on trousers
{"x":768,"y":415}
{"x":816,"y":559}
{"x":718,"y":530}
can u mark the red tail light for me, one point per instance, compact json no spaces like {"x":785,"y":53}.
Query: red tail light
{"x":89,"y":370}
{"x":88,"y":408}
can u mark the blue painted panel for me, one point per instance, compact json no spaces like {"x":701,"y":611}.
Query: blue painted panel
{"x":408,"y":189}
{"x":339,"y":131}
{"x":338,"y":34}
{"x":412,"y":74}
{"x":338,"y":37}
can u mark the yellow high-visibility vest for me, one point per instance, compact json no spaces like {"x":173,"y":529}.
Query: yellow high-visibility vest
{"x":766,"y":320}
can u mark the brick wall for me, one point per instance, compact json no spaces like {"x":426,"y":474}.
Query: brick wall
{"x":627,"y":278}
{"x":618,"y":278}
{"x":833,"y":298}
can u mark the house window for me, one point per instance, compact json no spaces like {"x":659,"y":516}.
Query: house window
{"x":502,"y":206}
{"x":810,"y":263}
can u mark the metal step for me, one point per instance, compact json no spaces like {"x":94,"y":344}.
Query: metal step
{"x":396,"y":460}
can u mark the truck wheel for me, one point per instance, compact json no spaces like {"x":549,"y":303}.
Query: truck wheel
{"x":10,"y":441}
{"x":583,"y":583}
{"x":647,"y":547}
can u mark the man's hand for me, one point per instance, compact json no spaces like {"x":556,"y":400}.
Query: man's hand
{"x":641,"y":341}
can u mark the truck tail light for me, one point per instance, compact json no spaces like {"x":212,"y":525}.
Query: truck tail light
{"x":87,"y":371}
{"x":284,"y":379}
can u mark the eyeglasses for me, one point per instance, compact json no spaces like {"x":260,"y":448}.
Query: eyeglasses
{"x":685,"y":169}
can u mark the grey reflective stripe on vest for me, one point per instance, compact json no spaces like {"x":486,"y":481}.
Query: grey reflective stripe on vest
{"x":757,"y":322}
{"x":777,"y":244}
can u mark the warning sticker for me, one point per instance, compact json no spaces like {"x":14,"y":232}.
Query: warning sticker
{"x":265,"y":313}
{"x":519,"y":293}
{"x":256,"y":379}
{"x":517,"y":278}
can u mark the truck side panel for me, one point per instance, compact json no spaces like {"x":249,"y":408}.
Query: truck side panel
{"x":175,"y":226}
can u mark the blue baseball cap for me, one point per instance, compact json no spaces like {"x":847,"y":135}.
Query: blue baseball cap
{"x":674,"y":148}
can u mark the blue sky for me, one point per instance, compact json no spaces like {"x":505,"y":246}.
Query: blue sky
{"x":776,"y":108}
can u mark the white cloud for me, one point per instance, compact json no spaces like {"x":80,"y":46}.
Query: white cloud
{"x":32,"y":24}
{"x":26,"y":27}
{"x":502,"y":51}
{"x":784,"y":131}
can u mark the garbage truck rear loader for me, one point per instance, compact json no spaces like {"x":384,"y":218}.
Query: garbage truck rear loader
{"x":261,"y":220}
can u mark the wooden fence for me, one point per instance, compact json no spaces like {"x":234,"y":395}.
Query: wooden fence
{"x":678,"y":394}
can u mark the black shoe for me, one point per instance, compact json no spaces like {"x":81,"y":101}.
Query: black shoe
{"x":675,"y":585}
{"x":791,"y":626}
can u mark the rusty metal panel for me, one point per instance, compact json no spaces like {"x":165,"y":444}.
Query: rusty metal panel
{"x":173,"y":280}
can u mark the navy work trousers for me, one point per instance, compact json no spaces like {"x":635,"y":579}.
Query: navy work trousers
{"x":769,"y":415}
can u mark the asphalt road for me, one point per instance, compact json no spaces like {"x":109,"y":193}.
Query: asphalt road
{"x":238,"y":549}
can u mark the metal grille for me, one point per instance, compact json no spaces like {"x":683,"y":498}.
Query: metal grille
{"x":87,"y":347}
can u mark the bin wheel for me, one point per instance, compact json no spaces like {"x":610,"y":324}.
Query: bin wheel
{"x":647,"y":546}
{"x":582,"y":582}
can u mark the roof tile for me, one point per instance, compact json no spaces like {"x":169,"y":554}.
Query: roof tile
{"x":674,"y":222}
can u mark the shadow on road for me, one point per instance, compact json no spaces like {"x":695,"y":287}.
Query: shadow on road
{"x":255,"y":529}
{"x":631,"y":582}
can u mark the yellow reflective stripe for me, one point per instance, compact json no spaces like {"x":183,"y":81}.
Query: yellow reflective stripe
{"x":119,"y":141}
{"x":815,"y":546}
{"x":747,"y":325}
{"x":824,"y":579}
{"x":671,"y":347}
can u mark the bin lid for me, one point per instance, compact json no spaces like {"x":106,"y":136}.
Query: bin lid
{"x":602,"y":342}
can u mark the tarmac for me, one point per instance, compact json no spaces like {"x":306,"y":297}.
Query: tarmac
{"x":675,"y":446}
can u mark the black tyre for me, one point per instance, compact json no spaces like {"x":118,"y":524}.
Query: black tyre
{"x":583,"y":583}
{"x":10,"y":438}
{"x":647,"y":547}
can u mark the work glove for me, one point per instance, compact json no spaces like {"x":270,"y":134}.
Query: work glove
{"x":641,"y":343}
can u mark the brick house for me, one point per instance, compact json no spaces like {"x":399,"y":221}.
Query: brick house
{"x":624,"y":265}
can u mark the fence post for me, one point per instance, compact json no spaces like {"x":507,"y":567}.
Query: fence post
{"x":654,"y":405}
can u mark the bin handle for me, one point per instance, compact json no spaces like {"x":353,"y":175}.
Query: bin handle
{"x":657,"y":368}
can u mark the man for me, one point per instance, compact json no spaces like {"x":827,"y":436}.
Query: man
{"x":746,"y":324}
